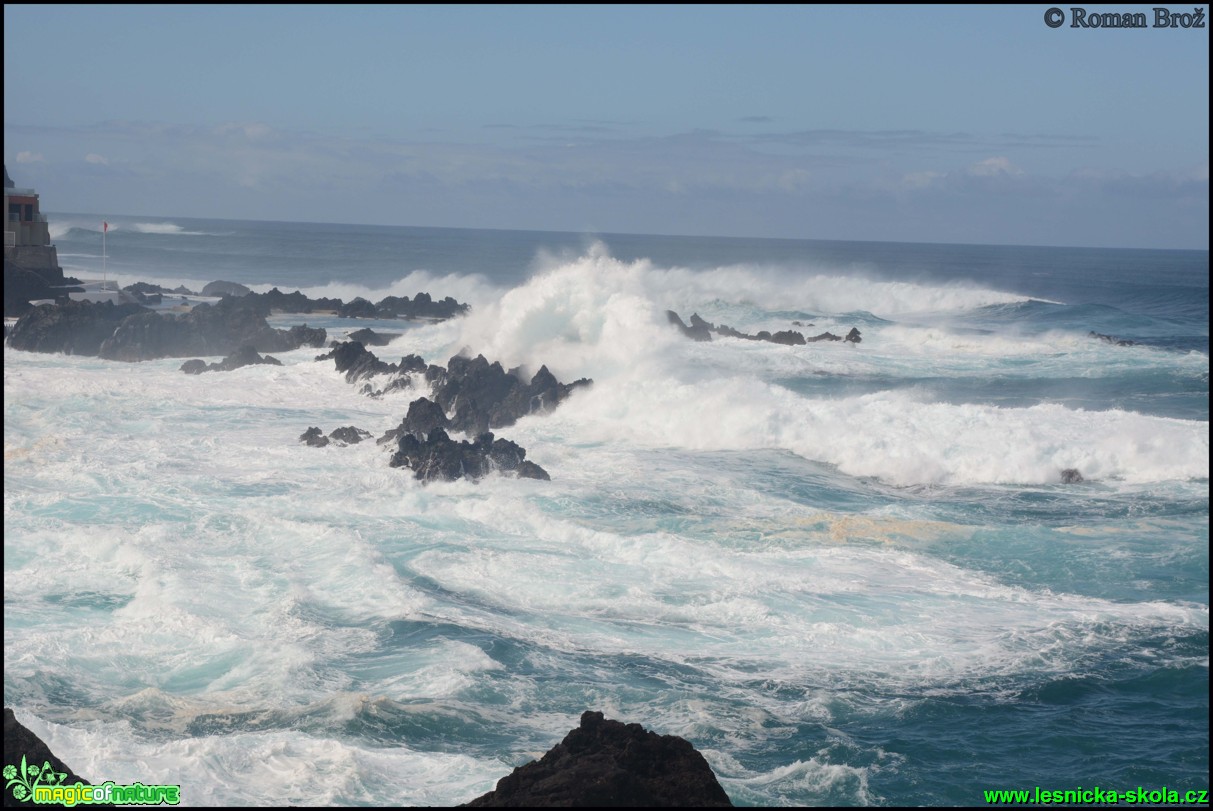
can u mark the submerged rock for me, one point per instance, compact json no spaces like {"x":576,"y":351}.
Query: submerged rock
{"x":607,"y":763}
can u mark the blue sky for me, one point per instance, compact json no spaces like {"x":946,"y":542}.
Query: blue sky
{"x":924,"y":124}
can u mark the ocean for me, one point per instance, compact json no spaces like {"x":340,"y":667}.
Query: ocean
{"x":848,"y":574}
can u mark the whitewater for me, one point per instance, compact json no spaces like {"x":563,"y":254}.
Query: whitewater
{"x":848,"y":574}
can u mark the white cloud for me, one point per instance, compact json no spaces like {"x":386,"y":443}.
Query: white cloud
{"x":93,"y":157}
{"x":29,"y":157}
{"x":993,"y":167}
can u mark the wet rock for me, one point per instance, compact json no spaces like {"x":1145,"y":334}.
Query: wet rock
{"x":244,"y":356}
{"x":1071,"y":476}
{"x":349,"y":435}
{"x":694,"y":333}
{"x":440,"y":458}
{"x":314,"y":437}
{"x":71,"y":327}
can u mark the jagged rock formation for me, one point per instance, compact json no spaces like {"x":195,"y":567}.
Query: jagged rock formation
{"x":607,"y":763}
{"x":342,"y":437}
{"x":479,"y":395}
{"x":358,"y":363}
{"x":700,"y":330}
{"x":437,"y":457}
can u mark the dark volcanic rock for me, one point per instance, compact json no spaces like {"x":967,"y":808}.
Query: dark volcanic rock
{"x":482,"y":395}
{"x":607,"y":763}
{"x":208,"y":329}
{"x":1071,"y":476}
{"x":20,"y":743}
{"x":368,"y":337}
{"x":225,"y":289}
{"x":71,"y":327}
{"x":349,"y":435}
{"x":244,"y":356}
{"x":700,"y":332}
{"x":440,"y":458}
{"x":358,"y":308}
{"x":314,"y":437}
{"x":357,"y":362}
{"x":424,"y":416}
{"x":296,"y":302}
{"x":23,"y":285}
{"x":789,"y":337}
{"x":422,"y":306}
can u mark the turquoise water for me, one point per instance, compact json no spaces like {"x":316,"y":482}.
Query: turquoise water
{"x":848,"y":574}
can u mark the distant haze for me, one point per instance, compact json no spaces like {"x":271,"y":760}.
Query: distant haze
{"x":926,"y":124}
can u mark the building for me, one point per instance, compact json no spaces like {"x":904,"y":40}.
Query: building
{"x":27,"y":238}
{"x":31,"y":264}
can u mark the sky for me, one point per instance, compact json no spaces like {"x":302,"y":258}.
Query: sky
{"x":977,"y":125}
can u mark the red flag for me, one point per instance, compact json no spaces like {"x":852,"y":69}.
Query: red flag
{"x":105,"y":226}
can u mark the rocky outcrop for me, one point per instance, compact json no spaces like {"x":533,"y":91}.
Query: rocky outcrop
{"x":25,"y":284}
{"x":130,"y":332}
{"x":1071,"y":476}
{"x":225,"y":289}
{"x":607,"y":763}
{"x":208,"y":329}
{"x":480,"y":395}
{"x":340,"y":437}
{"x":422,"y":306}
{"x":368,"y":337}
{"x":358,"y":363}
{"x":700,"y":330}
{"x":244,"y":356}
{"x":437,"y":457}
{"x":23,"y":746}
{"x":71,"y":327}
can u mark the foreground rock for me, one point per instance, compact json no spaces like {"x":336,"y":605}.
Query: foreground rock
{"x":607,"y":763}
{"x":20,"y":742}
